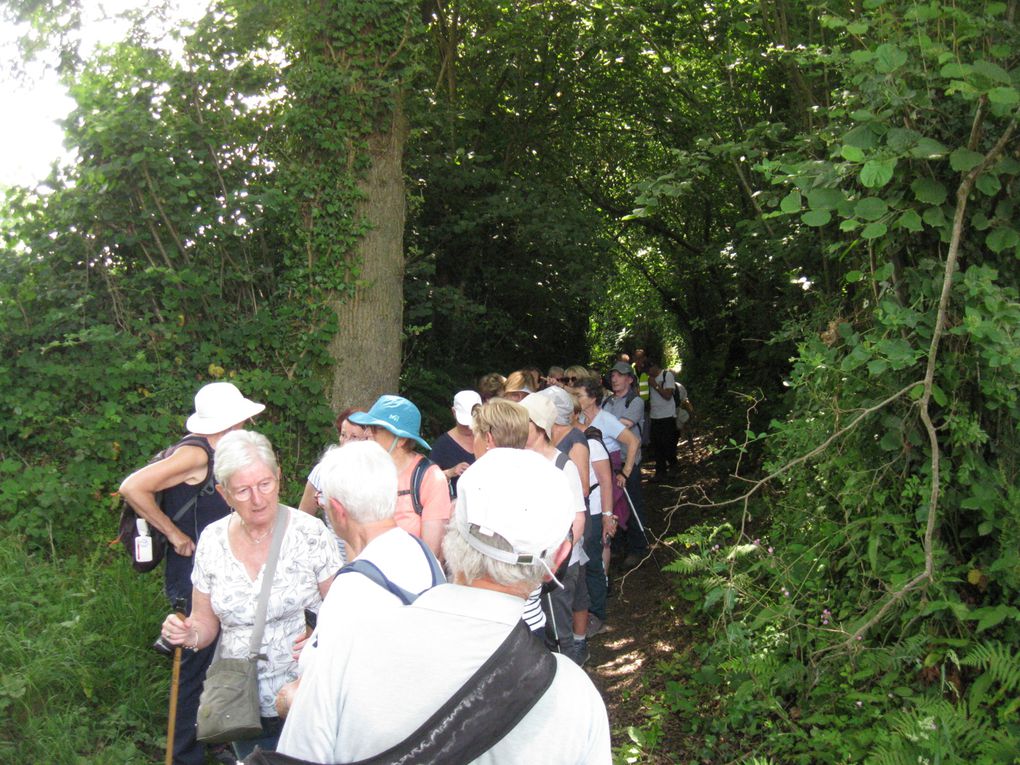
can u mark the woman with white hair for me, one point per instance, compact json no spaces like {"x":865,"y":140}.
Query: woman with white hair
{"x":230,"y":561}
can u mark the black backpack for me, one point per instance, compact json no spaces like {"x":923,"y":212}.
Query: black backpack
{"x":595,"y":435}
{"x":127,"y":530}
{"x":417,"y":476}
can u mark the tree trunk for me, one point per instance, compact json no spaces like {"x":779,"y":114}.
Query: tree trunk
{"x":366,"y":348}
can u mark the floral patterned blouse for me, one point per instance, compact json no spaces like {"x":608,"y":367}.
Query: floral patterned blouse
{"x":308,"y":556}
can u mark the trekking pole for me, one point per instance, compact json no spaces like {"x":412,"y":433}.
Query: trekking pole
{"x":175,"y":680}
{"x":634,"y":514}
{"x":552,"y":618}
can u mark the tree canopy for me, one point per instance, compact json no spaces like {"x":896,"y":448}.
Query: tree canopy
{"x":809,"y":205}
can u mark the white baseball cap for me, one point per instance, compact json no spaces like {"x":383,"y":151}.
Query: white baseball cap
{"x":464,"y":404}
{"x":516,"y":494}
{"x":541,"y":411}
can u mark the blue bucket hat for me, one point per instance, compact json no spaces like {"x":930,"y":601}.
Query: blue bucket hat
{"x":396,"y":414}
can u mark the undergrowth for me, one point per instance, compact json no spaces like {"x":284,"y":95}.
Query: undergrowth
{"x":79,"y":682}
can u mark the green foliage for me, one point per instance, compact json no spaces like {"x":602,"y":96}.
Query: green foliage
{"x":746,"y":181}
{"x":78,"y":681}
{"x":865,"y":616}
{"x":159,"y":262}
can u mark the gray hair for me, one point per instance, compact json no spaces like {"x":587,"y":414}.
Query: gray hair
{"x":465,"y":562}
{"x":240,"y":449}
{"x":361,"y":476}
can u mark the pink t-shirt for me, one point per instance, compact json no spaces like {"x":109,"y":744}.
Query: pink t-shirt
{"x":435,"y":498}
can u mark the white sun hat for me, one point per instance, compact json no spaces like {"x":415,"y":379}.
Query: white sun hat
{"x":218,"y":407}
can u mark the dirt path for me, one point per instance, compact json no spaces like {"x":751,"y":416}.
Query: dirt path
{"x":645,"y":616}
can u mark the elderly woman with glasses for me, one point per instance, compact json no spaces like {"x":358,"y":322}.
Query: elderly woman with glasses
{"x":347,"y":431}
{"x":311,"y":500}
{"x":229,"y":564}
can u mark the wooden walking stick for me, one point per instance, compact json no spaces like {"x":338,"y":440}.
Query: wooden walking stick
{"x":175,"y":681}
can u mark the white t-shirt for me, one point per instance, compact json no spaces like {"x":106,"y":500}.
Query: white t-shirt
{"x":308,"y":556}
{"x":610,"y":426}
{"x":533,"y":614}
{"x":663,"y":407}
{"x":597,"y":454}
{"x":384,"y":675}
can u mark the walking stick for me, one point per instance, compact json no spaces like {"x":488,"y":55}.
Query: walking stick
{"x":175,"y":680}
{"x":634,"y":514}
{"x":552,"y":618}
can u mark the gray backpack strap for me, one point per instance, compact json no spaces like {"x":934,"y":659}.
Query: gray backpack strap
{"x":368,"y":569}
{"x":371,"y":571}
{"x":417,"y":477}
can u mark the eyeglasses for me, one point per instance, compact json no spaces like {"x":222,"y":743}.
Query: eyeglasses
{"x":570,"y":380}
{"x":245,"y":493}
{"x":346,"y":435}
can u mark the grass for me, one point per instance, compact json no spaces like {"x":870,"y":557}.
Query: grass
{"x":79,"y":682}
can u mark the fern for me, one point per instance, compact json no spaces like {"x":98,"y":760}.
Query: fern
{"x":999,"y":661}
{"x":687,"y":564}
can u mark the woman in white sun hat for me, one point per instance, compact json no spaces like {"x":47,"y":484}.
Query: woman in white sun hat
{"x":181,"y":476}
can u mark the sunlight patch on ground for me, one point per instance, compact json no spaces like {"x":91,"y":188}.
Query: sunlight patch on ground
{"x":623,"y":664}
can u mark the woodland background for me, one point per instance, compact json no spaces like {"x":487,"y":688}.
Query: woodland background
{"x":810,"y":204}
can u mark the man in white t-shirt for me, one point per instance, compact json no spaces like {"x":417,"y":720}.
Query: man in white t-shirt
{"x":661,"y":384}
{"x":388,"y":673}
{"x":389,"y":566}
{"x":566,"y":606}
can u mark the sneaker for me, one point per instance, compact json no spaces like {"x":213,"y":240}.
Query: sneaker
{"x":579,"y":652}
{"x":595,"y":626}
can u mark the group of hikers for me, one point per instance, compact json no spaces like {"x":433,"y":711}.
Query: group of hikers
{"x":417,"y":617}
